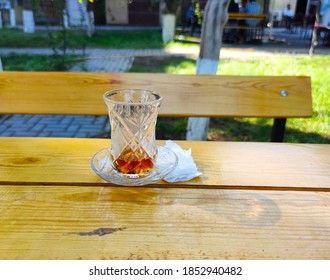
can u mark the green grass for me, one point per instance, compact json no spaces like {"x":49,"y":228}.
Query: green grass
{"x":10,"y":38}
{"x":317,"y":67}
{"x":14,"y":38}
{"x":127,"y":39}
{"x":133,"y":39}
{"x":14,"y":62}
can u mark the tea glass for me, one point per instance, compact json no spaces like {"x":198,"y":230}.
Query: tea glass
{"x":133,"y":116}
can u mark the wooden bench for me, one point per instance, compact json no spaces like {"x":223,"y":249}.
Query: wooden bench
{"x":244,"y":16}
{"x":239,"y":17}
{"x":183,"y":95}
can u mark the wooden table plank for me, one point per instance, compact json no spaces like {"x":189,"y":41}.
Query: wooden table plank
{"x":63,"y":222}
{"x":240,"y":165}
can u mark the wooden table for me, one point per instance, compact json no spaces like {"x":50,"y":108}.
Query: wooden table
{"x":253,"y":201}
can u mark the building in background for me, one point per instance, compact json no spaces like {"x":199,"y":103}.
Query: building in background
{"x":299,"y":7}
{"x":120,"y":12}
{"x":106,"y":12}
{"x":123,"y":12}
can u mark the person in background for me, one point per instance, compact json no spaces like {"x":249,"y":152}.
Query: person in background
{"x":326,"y":18}
{"x":230,"y":35}
{"x":242,"y":5}
{"x":191,"y":17}
{"x":252,"y":8}
{"x":241,"y":32}
{"x":233,"y":8}
{"x":325,"y":21}
{"x":288,"y":16}
{"x":190,"y":13}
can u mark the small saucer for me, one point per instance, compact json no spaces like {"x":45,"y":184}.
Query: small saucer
{"x":165,"y":163}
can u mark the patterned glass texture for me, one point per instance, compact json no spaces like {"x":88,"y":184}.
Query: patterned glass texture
{"x":133,"y":116}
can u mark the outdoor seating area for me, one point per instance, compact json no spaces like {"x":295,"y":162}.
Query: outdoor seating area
{"x":236,"y":31}
{"x":248,"y":195}
{"x":98,"y":156}
{"x":299,"y":21}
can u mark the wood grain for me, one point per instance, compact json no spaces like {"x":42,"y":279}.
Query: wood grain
{"x":236,"y":165}
{"x":183,"y":95}
{"x":70,"y":222}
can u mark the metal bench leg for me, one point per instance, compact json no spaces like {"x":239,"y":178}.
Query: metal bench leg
{"x":278,"y":130}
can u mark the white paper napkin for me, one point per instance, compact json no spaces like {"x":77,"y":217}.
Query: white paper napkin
{"x":186,"y":168}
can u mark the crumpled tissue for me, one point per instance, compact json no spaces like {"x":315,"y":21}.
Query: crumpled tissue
{"x":186,"y":168}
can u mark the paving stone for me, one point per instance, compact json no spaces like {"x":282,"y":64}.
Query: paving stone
{"x":36,"y":118}
{"x":44,"y":134}
{"x":73,"y":127}
{"x":58,"y":117}
{"x":10,"y":121}
{"x":107,"y":126}
{"x":90,"y":132}
{"x":83,"y":118}
{"x":105,"y":64}
{"x":17,"y":116}
{"x":101,"y":120}
{"x":62,"y":134}
{"x":38,"y":127}
{"x":6,"y":133}
{"x":82,"y":121}
{"x":67,"y":120}
{"x":14,"y":119}
{"x":48,"y":122}
{"x":56,"y":126}
{"x":18,"y":127}
{"x":25,"y":133}
{"x":4,"y":127}
{"x":81,"y":134}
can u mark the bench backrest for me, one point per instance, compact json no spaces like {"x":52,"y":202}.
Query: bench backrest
{"x":247,"y":16}
{"x":183,"y":95}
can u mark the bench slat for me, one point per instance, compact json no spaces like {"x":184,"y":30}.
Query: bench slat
{"x":184,"y":95}
{"x":247,"y":16}
{"x":243,"y":27}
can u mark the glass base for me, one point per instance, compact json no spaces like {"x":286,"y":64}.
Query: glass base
{"x":165,"y":163}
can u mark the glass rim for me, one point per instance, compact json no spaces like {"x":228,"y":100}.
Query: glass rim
{"x":109,"y":93}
